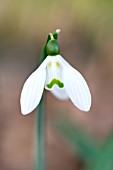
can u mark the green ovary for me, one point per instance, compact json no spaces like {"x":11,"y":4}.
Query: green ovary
{"x":53,"y":82}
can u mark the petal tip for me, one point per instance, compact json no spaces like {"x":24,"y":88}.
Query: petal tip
{"x":84,"y":106}
{"x":87,"y":107}
{"x":24,"y":109}
{"x":24,"y":112}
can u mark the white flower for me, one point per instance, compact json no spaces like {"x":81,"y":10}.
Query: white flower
{"x":58,"y":76}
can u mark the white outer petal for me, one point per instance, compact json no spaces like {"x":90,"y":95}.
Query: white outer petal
{"x":76,"y":86}
{"x":33,"y":88}
{"x":59,"y":93}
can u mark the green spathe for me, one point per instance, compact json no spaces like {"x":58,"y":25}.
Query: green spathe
{"x":57,"y":82}
{"x":52,"y":48}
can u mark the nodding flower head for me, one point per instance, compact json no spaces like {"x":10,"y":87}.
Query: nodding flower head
{"x":59,"y":77}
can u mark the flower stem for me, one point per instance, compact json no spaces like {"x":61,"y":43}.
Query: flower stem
{"x":41,"y":116}
{"x":40,"y":139}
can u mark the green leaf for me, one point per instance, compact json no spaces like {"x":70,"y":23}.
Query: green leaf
{"x":104,"y":160}
{"x":81,"y":143}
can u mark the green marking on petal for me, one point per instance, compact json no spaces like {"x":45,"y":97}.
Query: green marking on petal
{"x":49,"y":65}
{"x":57,"y":64}
{"x":53,"y":82}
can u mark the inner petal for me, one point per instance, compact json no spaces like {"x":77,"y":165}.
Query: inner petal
{"x":54,"y":74}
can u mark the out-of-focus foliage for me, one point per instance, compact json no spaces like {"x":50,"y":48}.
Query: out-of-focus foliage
{"x":97,"y":158}
{"x":78,"y":140}
{"x":104,"y":160}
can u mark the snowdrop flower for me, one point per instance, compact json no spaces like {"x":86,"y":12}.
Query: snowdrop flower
{"x":59,"y":77}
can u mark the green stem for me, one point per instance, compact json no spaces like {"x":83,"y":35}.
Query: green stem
{"x":40,"y":130}
{"x":41,"y":118}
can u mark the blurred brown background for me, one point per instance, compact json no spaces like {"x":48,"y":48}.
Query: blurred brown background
{"x":86,"y":42}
